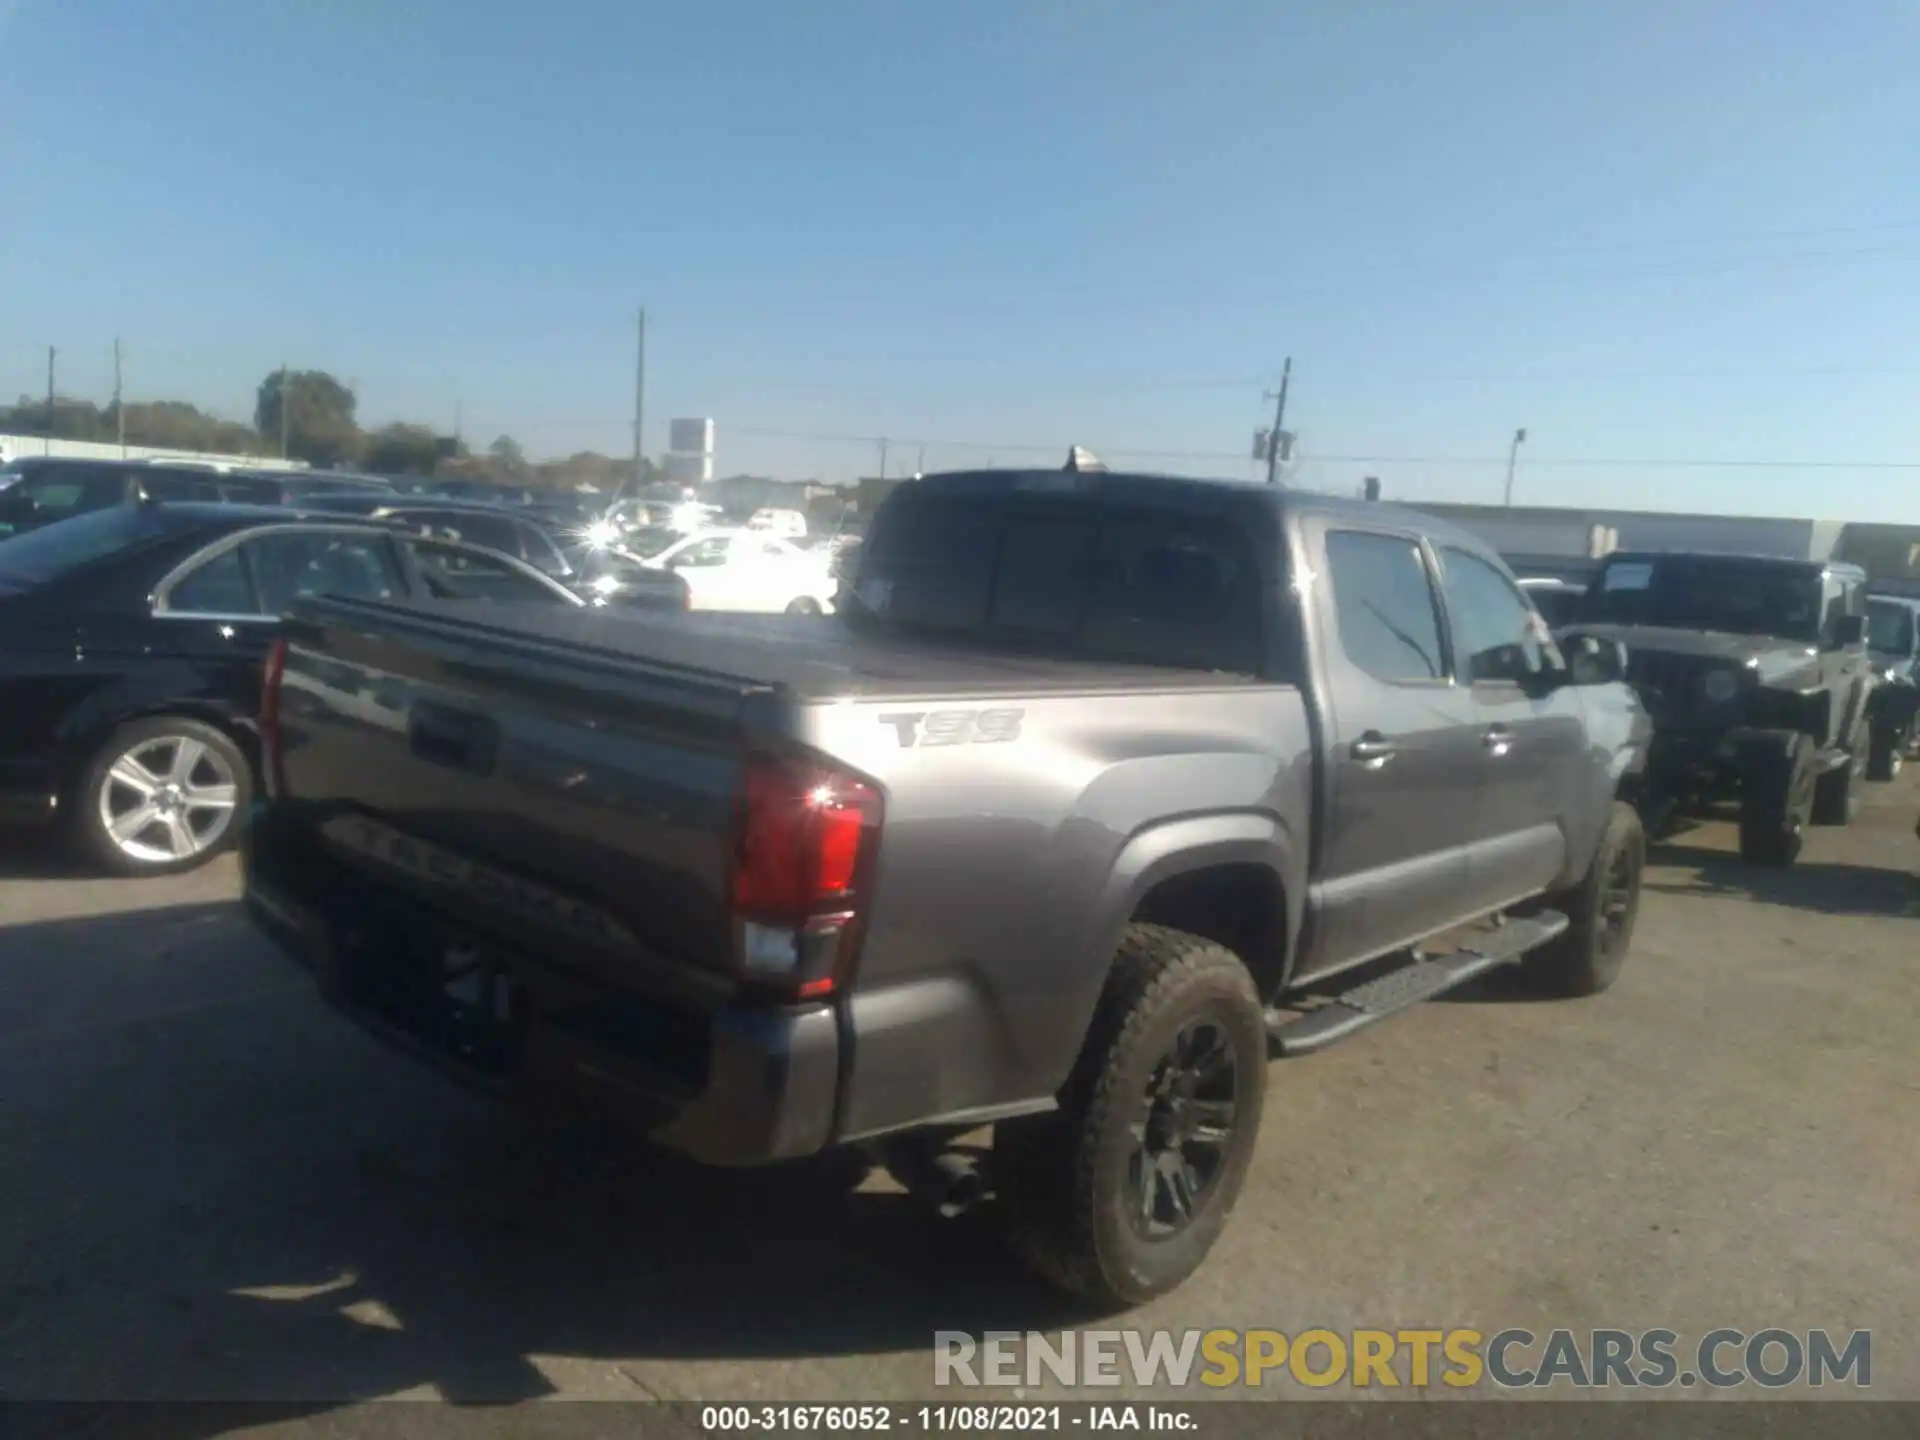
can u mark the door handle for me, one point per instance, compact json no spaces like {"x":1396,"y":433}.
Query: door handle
{"x":1372,"y":749}
{"x":1498,"y":740}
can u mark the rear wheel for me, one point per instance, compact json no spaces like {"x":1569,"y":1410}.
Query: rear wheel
{"x":1120,"y":1193}
{"x":1886,"y":752}
{"x":1836,"y":795}
{"x":162,"y":796}
{"x":805,"y":605}
{"x":1776,"y":802}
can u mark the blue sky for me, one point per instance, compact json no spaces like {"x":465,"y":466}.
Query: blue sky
{"x":1648,"y":232}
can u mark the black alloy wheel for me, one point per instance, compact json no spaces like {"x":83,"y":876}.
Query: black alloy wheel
{"x":1183,"y":1137}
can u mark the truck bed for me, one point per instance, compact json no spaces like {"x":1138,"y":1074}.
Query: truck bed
{"x":565,"y":790}
{"x":808,"y":657}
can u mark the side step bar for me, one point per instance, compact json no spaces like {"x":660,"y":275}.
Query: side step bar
{"x":1419,"y":978}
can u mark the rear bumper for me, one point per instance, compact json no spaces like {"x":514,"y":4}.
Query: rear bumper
{"x":739,"y":1086}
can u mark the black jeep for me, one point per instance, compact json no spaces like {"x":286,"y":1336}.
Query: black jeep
{"x":1757,"y":676}
{"x":1893,"y":643}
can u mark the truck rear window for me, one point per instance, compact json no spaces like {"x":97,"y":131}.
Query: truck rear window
{"x":1127,"y":584}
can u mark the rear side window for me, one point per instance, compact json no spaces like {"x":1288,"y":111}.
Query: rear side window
{"x":454,"y":573}
{"x":319,"y":562}
{"x":1137,"y":586}
{"x":219,"y":586}
{"x":1383,"y":605}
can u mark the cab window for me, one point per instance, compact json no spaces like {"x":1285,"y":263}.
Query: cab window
{"x":1383,"y":606}
{"x":1497,"y":635}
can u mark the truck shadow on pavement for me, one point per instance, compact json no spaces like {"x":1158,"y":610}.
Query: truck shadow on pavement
{"x":218,"y":1190}
{"x":1824,"y":887}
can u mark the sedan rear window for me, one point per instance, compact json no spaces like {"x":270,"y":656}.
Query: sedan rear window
{"x":39,"y":556}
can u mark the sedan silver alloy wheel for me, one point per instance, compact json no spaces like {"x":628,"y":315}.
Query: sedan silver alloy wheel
{"x":167,"y":798}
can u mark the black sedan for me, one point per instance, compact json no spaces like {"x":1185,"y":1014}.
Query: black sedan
{"x":575,"y":555}
{"x":132,"y":641}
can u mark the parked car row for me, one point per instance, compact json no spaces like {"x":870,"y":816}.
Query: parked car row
{"x":40,"y":490}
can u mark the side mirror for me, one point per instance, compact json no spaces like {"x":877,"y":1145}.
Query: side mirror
{"x":1592,"y":660}
{"x":15,"y":506}
{"x":1851,"y":631}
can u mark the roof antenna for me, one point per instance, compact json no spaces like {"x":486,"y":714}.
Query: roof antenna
{"x":1081,"y":461}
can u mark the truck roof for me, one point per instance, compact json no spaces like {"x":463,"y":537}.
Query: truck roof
{"x":1189,"y":492}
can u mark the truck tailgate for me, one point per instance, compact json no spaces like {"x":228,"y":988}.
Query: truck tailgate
{"x":581,"y":806}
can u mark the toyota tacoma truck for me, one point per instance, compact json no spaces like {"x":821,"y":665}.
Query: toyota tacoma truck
{"x":1098,"y":791}
{"x":1755,"y":670}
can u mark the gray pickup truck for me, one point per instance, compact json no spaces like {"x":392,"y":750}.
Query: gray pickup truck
{"x":1100,"y":790}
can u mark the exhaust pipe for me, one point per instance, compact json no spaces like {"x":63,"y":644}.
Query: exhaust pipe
{"x":950,"y":1181}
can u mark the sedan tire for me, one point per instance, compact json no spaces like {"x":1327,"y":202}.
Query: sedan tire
{"x":162,"y":796}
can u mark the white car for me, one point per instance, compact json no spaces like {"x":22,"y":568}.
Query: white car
{"x":787,"y":524}
{"x":749,"y":570}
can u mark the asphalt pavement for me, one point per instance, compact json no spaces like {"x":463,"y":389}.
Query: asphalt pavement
{"x":213,"y":1188}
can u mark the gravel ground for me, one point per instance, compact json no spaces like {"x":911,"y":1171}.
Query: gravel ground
{"x":216,"y":1189}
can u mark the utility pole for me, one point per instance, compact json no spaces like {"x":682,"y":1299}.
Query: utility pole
{"x":286,"y":410}
{"x":920,"y":465}
{"x":883,"y":457}
{"x":1513,"y":456}
{"x":50,"y":354}
{"x":119,"y":409}
{"x":458,"y":406}
{"x":1279,"y":399}
{"x":640,"y":407}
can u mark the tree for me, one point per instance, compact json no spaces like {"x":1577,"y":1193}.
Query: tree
{"x":402,"y":449}
{"x":320,"y":426}
{"x":507,"y":454}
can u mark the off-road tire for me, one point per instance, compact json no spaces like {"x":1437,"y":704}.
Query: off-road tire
{"x":1776,"y":800}
{"x":1886,"y":752}
{"x":1836,"y":794}
{"x":90,"y":832}
{"x":1061,"y":1179}
{"x":1587,"y":958}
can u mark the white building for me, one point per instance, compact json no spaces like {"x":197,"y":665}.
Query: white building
{"x":14,"y":447}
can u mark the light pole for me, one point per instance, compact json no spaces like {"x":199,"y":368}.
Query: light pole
{"x":1513,"y":456}
{"x":1274,"y":442}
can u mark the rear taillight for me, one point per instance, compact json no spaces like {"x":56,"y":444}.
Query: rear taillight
{"x":270,"y":716}
{"x":802,"y":855}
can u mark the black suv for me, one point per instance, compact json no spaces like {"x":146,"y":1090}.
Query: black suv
{"x":1756,"y":673}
